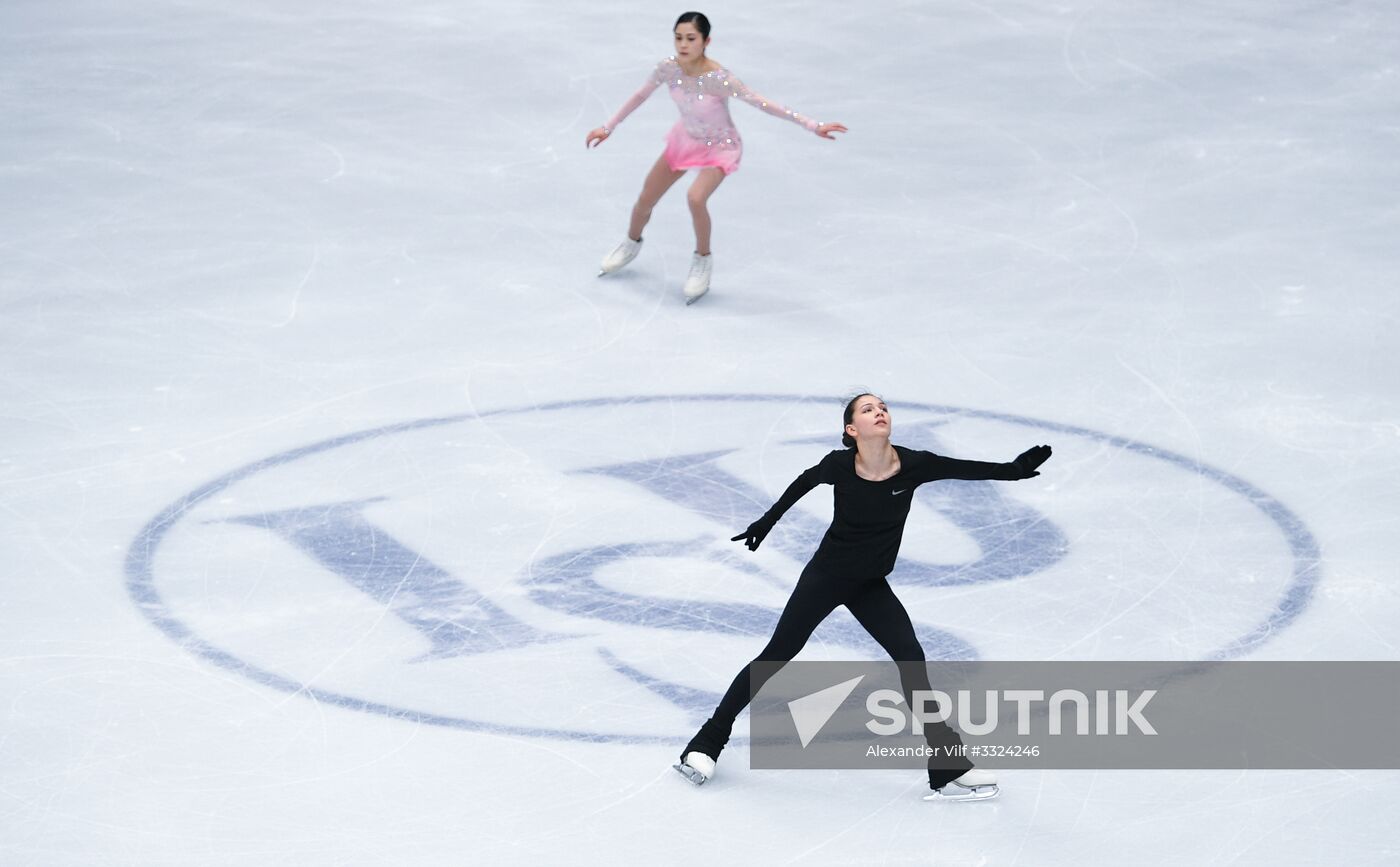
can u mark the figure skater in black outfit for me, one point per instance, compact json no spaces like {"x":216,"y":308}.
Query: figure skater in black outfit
{"x":874,"y":483}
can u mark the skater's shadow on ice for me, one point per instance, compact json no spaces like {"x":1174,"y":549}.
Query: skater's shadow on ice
{"x":654,"y":289}
{"x":639,"y":286}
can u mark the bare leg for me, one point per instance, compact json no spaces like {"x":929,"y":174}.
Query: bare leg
{"x":659,"y":180}
{"x":706,"y":182}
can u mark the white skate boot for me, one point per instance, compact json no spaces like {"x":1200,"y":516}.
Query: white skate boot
{"x":699,"y":756}
{"x":698,"y":283}
{"x":975,"y":785}
{"x":696,"y":767}
{"x":620,"y":256}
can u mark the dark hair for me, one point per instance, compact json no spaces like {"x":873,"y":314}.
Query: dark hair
{"x":698,"y":19}
{"x":850,"y":414}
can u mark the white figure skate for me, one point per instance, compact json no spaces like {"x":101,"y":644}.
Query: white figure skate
{"x":620,"y":256}
{"x":696,"y":767}
{"x":698,"y":283}
{"x":975,"y":785}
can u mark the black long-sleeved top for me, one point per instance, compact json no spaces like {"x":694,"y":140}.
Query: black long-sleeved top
{"x":867,"y":523}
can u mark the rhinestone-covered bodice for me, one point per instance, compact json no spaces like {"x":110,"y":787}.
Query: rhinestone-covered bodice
{"x":703,"y":101}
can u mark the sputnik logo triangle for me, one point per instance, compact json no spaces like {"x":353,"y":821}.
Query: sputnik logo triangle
{"x":811,"y":712}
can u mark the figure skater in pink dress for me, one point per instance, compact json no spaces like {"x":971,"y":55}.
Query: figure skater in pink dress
{"x":704,"y":139}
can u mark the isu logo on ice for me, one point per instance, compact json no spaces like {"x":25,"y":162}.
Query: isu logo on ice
{"x":484,"y":570}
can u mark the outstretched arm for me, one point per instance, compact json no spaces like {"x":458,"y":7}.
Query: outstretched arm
{"x":754,"y":535}
{"x":599,"y":135}
{"x":739,"y":90}
{"x":1023,"y":467}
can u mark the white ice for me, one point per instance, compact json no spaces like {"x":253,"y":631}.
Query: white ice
{"x":235,"y":231}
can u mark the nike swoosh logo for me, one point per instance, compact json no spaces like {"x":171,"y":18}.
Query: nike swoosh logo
{"x":897,"y":493}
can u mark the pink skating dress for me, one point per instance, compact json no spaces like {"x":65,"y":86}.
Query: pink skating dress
{"x":705,"y":135}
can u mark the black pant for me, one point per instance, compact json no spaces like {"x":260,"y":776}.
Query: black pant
{"x":876,"y":608}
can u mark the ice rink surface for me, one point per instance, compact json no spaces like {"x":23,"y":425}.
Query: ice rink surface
{"x":349,"y":519}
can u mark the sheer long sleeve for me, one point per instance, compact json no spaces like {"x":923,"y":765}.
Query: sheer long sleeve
{"x":739,"y":90}
{"x":658,"y":75}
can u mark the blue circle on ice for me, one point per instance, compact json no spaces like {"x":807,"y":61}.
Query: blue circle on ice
{"x":141,"y":577}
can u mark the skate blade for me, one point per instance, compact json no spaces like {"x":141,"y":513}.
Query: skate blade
{"x":690,"y":774}
{"x":689,"y":301}
{"x":961,"y":793}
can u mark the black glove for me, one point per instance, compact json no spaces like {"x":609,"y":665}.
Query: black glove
{"x":1031,"y":458}
{"x":754,"y":535}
